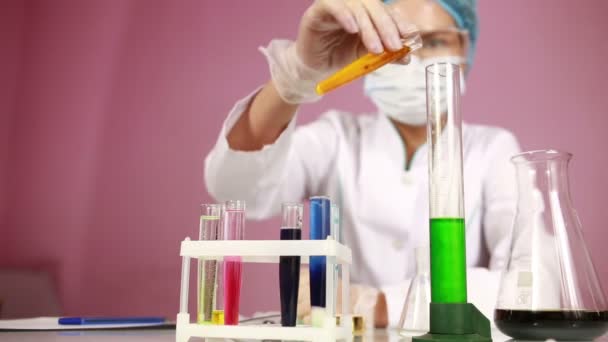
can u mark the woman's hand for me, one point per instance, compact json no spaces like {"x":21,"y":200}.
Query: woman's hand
{"x":333,"y":33}
{"x":364,"y":300}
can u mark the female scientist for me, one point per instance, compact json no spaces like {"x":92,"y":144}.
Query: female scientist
{"x":374,"y":166}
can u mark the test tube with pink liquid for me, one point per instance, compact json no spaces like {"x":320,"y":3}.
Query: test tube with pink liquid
{"x":234,"y":229}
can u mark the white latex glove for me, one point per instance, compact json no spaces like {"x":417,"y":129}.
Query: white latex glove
{"x":362,"y":299}
{"x":332,"y":34}
{"x":304,"y":296}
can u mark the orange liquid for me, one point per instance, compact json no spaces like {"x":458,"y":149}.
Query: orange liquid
{"x":358,"y":68}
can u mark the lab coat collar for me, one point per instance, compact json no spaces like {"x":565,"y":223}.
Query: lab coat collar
{"x":390,"y":141}
{"x":384,"y":142}
{"x":383,"y":179}
{"x":382,"y":153}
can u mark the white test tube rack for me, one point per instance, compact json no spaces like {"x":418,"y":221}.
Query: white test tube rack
{"x":269,"y":251}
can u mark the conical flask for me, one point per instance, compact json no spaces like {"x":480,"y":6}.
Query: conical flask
{"x":415,"y":314}
{"x":550,"y":288}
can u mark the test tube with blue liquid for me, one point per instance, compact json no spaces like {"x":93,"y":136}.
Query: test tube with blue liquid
{"x":289,"y":266}
{"x":320,"y":229}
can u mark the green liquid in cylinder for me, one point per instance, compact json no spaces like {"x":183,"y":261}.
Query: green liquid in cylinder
{"x":448,"y":261}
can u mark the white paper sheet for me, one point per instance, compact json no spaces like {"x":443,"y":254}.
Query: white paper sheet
{"x":52,"y":323}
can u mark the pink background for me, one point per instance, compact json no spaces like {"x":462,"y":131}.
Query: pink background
{"x":107,"y":109}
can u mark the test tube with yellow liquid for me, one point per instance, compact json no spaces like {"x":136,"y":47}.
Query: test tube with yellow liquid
{"x":208,"y":305}
{"x":366,"y":64}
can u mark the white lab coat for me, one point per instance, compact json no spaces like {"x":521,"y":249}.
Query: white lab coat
{"x":359,"y":161}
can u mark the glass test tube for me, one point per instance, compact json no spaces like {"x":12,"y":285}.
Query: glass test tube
{"x":336,"y":234}
{"x":234,"y":229}
{"x":319,"y":230}
{"x":446,"y":194}
{"x":336,"y":228}
{"x":210,"y":229}
{"x":289,"y":266}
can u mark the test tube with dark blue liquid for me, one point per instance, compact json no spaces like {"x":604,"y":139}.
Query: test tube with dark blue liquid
{"x":289,"y":266}
{"x":320,"y":224}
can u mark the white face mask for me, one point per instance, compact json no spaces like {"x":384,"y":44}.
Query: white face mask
{"x":399,"y":91}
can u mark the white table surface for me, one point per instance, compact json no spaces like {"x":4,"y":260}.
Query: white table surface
{"x":167,"y":335}
{"x":162,"y":336}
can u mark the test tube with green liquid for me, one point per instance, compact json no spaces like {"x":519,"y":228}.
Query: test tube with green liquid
{"x":208,"y":306}
{"x":446,"y":194}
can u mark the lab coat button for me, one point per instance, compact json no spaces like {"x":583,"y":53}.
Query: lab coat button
{"x":407,"y":179}
{"x":398,"y":244}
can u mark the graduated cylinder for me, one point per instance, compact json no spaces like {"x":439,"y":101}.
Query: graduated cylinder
{"x":447,"y":227}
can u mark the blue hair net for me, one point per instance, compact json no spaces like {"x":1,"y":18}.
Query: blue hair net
{"x":464,"y":13}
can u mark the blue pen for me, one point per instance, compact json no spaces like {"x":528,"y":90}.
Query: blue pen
{"x":110,"y":320}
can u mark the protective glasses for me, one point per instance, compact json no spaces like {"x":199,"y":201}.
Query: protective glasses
{"x":444,"y":42}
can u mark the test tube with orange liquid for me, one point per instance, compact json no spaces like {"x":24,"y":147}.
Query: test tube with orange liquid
{"x":366,"y":64}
